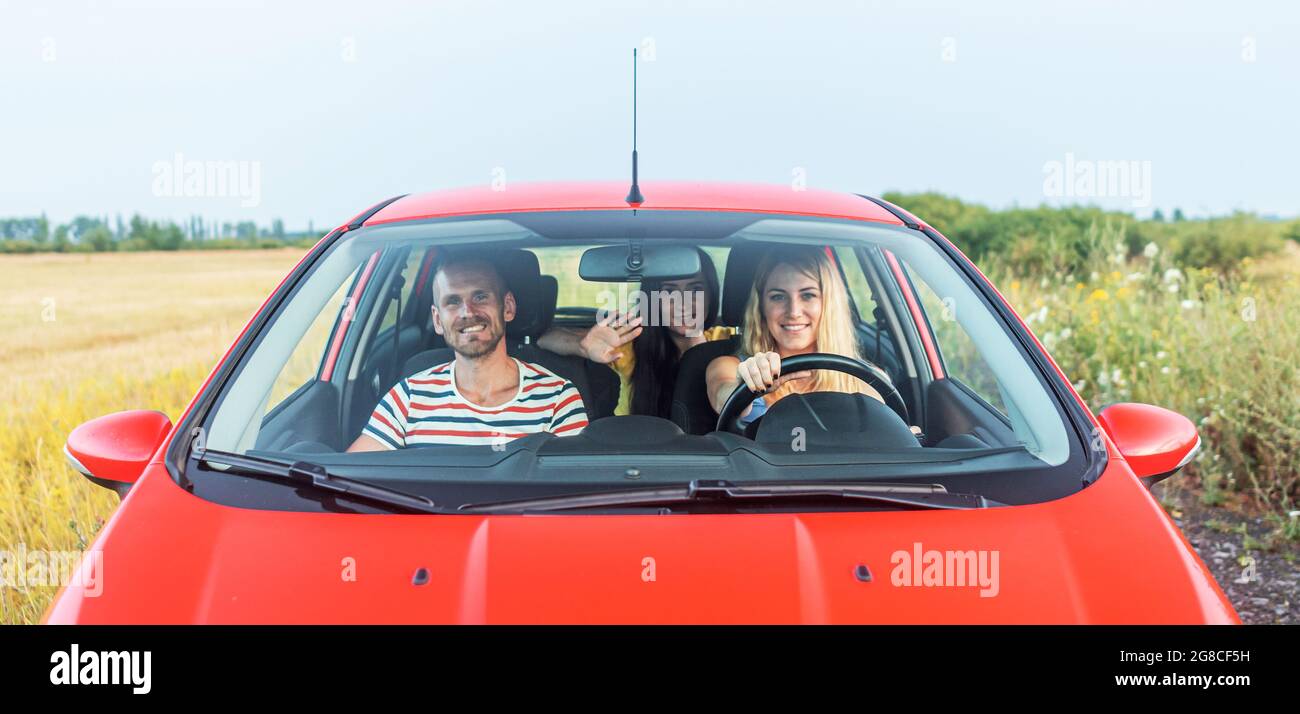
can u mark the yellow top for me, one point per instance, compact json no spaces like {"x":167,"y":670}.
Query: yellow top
{"x":627,"y":362}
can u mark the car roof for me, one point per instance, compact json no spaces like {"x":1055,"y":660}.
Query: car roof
{"x":611,"y":195}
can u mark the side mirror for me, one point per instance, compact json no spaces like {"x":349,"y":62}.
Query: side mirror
{"x":113,"y":450}
{"x":1155,"y":442}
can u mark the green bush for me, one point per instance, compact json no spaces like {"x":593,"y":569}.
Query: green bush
{"x":1221,"y":243}
{"x":14,"y":245}
{"x":1051,"y":240}
{"x":944,"y":213}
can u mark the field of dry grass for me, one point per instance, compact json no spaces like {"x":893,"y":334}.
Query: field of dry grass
{"x":90,"y":334}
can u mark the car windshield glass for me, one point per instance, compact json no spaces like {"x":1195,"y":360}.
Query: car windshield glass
{"x":519,"y":355}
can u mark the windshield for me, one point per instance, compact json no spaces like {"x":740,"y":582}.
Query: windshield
{"x":521,"y":355}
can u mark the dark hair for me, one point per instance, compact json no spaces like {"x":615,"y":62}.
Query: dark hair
{"x":479,"y":258}
{"x":655,"y":373}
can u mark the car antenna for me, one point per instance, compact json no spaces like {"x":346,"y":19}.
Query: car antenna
{"x":634,"y":196}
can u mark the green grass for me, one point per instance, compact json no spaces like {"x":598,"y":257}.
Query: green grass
{"x":1220,"y":349}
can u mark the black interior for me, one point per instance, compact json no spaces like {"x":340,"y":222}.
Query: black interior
{"x":691,"y":409}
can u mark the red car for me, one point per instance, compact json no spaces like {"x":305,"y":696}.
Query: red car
{"x":978,"y":487}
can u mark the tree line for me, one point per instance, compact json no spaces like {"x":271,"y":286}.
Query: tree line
{"x":1042,"y":239}
{"x":1048,"y":239}
{"x":100,"y":234}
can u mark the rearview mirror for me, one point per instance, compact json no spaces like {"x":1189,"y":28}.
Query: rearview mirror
{"x":113,"y":450}
{"x":635,"y":262}
{"x":1155,"y":442}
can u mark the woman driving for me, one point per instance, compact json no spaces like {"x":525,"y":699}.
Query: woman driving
{"x":798,"y":305}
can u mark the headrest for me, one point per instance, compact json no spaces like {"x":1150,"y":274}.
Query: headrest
{"x":742,"y":270}
{"x":523,"y":278}
{"x":742,"y":264}
{"x":550,"y":292}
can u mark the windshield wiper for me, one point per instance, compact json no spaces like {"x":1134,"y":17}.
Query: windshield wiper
{"x":915,"y":496}
{"x":316,"y":478}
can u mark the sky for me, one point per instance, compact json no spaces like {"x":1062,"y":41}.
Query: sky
{"x":314,"y":111}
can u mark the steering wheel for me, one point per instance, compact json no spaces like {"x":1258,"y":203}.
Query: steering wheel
{"x":868,"y":373}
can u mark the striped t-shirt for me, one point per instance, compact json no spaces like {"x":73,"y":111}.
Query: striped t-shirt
{"x":426,"y":408}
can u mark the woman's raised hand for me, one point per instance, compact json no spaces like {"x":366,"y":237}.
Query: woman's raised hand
{"x":602,"y":342}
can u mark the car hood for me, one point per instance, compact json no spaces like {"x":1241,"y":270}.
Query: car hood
{"x":1107,"y":554}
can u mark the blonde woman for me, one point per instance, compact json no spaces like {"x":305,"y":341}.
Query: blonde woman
{"x":798,"y":305}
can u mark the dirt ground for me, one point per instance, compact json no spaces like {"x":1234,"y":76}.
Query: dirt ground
{"x":1230,"y":541}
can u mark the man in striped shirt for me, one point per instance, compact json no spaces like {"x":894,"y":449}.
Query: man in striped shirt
{"x":484,"y":396}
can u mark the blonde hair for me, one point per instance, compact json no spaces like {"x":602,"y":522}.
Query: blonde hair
{"x":834,"y":329}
